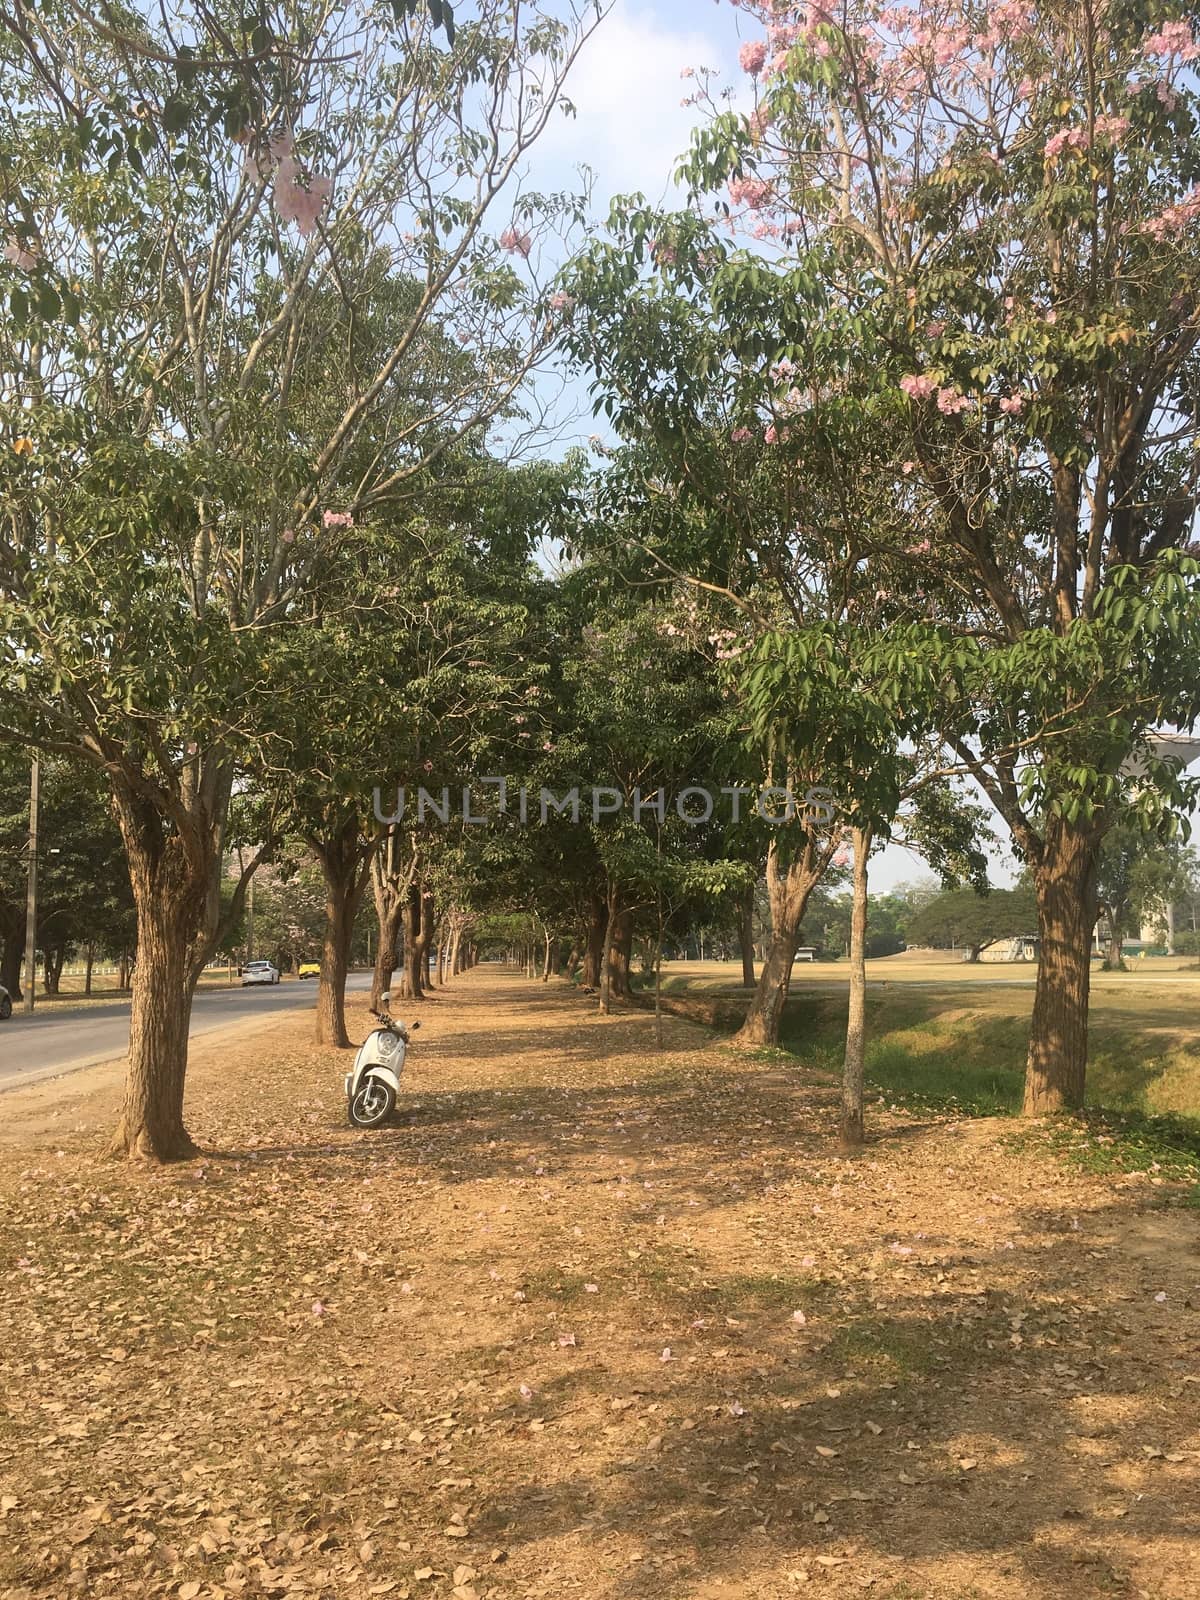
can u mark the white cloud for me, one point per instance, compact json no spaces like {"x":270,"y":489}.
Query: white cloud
{"x":630,"y":127}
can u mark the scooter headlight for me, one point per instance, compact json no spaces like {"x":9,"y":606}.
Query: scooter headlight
{"x":387,"y":1044}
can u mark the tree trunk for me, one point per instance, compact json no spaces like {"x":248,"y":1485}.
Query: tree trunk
{"x":620,"y":954}
{"x":746,"y":935}
{"x":854,"y":1066}
{"x":1065,"y":880}
{"x":788,"y":888}
{"x":172,"y":888}
{"x":335,"y":964}
{"x":593,"y":956}
{"x":1114,"y":960}
{"x":392,"y":875}
{"x":609,"y":938}
{"x":389,"y":911}
{"x":410,"y":984}
{"x":11,"y":961}
{"x":546,"y":962}
{"x":345,"y":859}
{"x":52,"y":969}
{"x":123,"y":971}
{"x":424,"y":941}
{"x":90,"y":963}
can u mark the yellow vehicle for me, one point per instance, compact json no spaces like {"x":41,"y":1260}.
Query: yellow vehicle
{"x":309,"y":969}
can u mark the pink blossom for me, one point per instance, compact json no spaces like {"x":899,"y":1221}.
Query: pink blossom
{"x":1012,"y":405}
{"x":918,"y":387}
{"x":562,"y":302}
{"x":921,"y":549}
{"x":1175,"y":218}
{"x":1172,"y":39}
{"x":288,"y":536}
{"x":741,"y":436}
{"x":753,"y":57}
{"x":934,"y":330}
{"x":338,"y":519}
{"x":297,"y":201}
{"x":749,"y":192}
{"x":1112,"y":127}
{"x":950,"y":402}
{"x":771,"y":435}
{"x":516,"y":243}
{"x":1065,"y":139}
{"x":20,"y":256}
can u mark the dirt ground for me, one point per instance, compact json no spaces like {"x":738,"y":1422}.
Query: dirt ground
{"x":588,"y":1320}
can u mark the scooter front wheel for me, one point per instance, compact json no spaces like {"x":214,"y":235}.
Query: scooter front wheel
{"x":373,"y":1104}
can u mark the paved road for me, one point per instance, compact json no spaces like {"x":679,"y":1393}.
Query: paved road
{"x":58,"y":1040}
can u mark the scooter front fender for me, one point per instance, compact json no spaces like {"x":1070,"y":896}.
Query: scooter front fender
{"x":383,"y":1075}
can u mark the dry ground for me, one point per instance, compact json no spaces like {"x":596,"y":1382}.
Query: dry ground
{"x":541,"y":1337}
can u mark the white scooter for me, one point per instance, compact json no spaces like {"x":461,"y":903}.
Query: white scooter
{"x":374,"y":1082}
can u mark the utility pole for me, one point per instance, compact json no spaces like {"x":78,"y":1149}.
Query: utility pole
{"x":31,"y":888}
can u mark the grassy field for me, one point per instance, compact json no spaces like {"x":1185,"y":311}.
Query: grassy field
{"x":952,"y":1032}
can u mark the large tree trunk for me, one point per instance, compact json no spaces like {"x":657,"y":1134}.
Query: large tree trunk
{"x":609,"y":939}
{"x":593,"y":956}
{"x":174,"y":889}
{"x":410,"y":983}
{"x":392,"y":876}
{"x":335,"y":964}
{"x":345,"y":861}
{"x":788,"y":888}
{"x":389,"y":914}
{"x":746,"y":935}
{"x":1065,"y":880}
{"x":424,"y":941}
{"x":620,"y":955}
{"x":90,"y":963}
{"x":854,"y":1065}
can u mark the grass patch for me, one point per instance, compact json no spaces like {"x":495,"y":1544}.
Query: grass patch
{"x":1105,"y":1143}
{"x":964,"y":1062}
{"x":766,"y":1292}
{"x":903,"y":1353}
{"x":960,"y":1046}
{"x":553,"y":1284}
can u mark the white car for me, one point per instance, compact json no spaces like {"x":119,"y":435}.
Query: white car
{"x":259,"y":972}
{"x":5,"y":1004}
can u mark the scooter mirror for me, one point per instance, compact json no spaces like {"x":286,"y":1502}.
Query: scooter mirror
{"x":386,"y":996}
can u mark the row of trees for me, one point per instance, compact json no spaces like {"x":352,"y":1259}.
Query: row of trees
{"x":901,"y":506}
